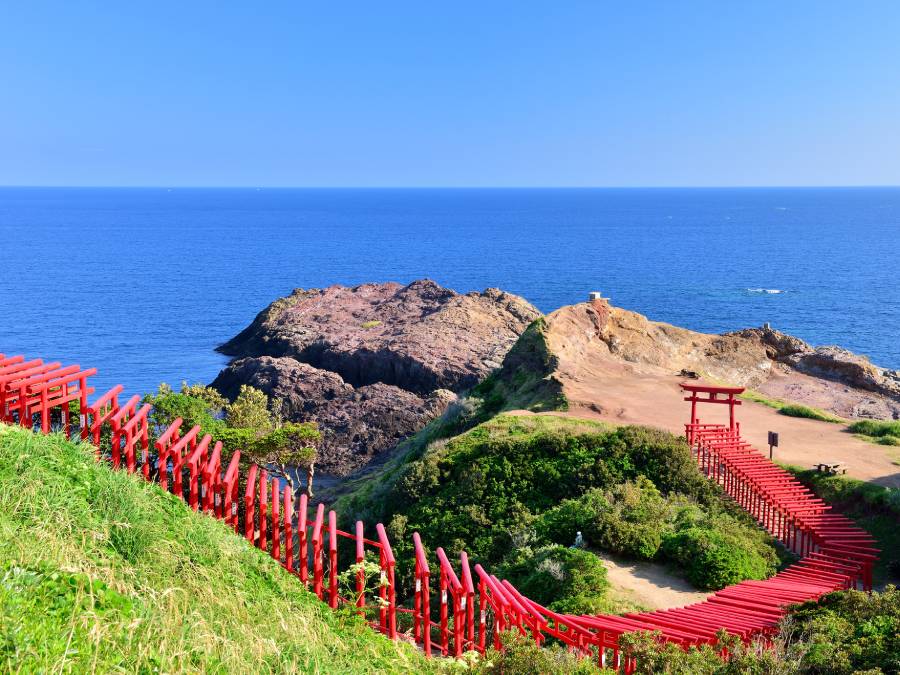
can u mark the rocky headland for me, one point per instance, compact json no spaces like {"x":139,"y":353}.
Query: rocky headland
{"x":596,"y":339}
{"x":373,"y":363}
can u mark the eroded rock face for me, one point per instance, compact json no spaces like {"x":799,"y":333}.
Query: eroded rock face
{"x":374,"y":363}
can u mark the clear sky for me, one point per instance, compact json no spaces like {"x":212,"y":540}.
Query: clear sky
{"x":486,"y":93}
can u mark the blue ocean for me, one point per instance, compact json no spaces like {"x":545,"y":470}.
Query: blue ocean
{"x":145,"y":283}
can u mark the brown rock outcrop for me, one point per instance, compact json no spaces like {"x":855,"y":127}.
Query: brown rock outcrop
{"x":372,"y":363}
{"x":614,"y":342}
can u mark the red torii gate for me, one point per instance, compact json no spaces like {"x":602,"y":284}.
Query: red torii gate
{"x":712,"y":394}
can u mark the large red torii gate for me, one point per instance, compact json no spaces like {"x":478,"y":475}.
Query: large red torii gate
{"x":712,"y":394}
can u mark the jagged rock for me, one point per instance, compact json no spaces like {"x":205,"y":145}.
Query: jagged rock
{"x":841,"y":365}
{"x":356,"y":423}
{"x":419,"y":337}
{"x":778,"y":345}
{"x":374,"y":363}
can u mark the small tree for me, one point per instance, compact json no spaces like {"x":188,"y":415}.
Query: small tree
{"x":215,"y":402}
{"x":195,"y":405}
{"x":250,"y":410}
{"x":292,"y":444}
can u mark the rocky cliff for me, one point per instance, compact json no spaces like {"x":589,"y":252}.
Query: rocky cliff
{"x":372,"y":363}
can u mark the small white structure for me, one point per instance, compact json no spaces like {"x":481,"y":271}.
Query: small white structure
{"x":595,"y":295}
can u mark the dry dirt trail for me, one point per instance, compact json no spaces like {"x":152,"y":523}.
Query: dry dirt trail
{"x":617,"y":366}
{"x":648,"y":584}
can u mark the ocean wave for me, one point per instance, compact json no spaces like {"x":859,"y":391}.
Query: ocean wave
{"x":771,"y":291}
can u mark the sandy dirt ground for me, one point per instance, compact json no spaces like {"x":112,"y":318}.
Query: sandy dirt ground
{"x":656,"y":400}
{"x":648,"y":585}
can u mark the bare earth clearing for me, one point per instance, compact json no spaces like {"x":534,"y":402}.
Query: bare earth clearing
{"x":647,"y":584}
{"x":602,"y":380}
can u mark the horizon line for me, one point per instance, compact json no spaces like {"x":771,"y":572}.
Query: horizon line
{"x":452,"y":187}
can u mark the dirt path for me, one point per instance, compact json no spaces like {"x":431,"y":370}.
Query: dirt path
{"x":648,"y":584}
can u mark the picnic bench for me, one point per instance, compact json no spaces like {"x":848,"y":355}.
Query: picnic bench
{"x":832,"y":468}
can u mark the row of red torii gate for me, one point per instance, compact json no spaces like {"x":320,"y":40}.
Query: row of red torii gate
{"x":471,"y":607}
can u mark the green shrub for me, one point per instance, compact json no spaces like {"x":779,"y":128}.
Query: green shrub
{"x":630,"y":519}
{"x":562,"y":523}
{"x":634,"y":523}
{"x":193,"y":410}
{"x":567,"y":580}
{"x":850,"y":631}
{"x":715,"y":558}
{"x":476,"y":490}
{"x":521,"y":656}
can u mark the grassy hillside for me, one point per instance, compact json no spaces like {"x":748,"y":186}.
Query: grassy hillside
{"x":101,"y":572}
{"x":525,"y":380}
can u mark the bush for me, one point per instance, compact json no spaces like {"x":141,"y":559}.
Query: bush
{"x":194,"y":411}
{"x":715,"y":558}
{"x":250,"y":410}
{"x":521,"y":656}
{"x":567,"y":580}
{"x":472,"y":491}
{"x":634,"y":523}
{"x":850,"y":631}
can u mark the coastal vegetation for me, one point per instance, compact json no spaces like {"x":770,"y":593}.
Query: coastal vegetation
{"x":843,"y":633}
{"x":250,"y":424}
{"x":524,"y":493}
{"x":879,"y":431}
{"x":101,"y":571}
{"x":792,"y":409}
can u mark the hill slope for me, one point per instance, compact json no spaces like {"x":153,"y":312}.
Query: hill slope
{"x":100,"y":572}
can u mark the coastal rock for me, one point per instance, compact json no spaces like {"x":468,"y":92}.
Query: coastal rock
{"x":595,"y":344}
{"x":356,"y":423}
{"x":374,"y":363}
{"x":419,"y":337}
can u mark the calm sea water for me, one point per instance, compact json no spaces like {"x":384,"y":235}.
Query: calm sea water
{"x":144,"y":283}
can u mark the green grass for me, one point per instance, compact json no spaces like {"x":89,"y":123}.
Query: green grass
{"x":525,"y":379}
{"x":792,"y":409}
{"x":370,"y":324}
{"x":873,"y":507}
{"x":877,"y":431}
{"x":102,"y":572}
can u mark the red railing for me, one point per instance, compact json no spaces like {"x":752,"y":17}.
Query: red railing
{"x":834,"y":553}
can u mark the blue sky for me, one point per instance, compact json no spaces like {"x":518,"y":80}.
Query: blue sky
{"x":458,"y":93}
